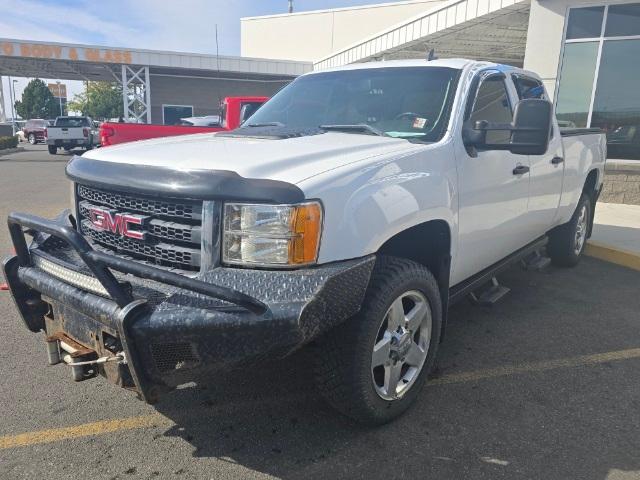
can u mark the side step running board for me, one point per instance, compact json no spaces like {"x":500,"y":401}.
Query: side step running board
{"x":535,"y":261}
{"x":476,"y":282}
{"x":491,"y":295}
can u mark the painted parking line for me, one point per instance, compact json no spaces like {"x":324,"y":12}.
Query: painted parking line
{"x":583,"y":360}
{"x":84,"y":430}
{"x":158,"y":420}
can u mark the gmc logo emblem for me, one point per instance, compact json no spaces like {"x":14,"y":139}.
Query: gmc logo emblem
{"x":116,"y":222}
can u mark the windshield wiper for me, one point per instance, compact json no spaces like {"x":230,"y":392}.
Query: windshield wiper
{"x":360,"y":127}
{"x":265,"y":124}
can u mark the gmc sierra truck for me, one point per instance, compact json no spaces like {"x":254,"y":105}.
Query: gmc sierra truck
{"x":349,"y":212}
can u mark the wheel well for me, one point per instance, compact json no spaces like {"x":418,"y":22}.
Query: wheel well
{"x":590,"y":183}
{"x":429,"y":244}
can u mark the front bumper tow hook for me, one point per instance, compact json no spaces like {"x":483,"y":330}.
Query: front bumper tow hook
{"x":61,"y":348}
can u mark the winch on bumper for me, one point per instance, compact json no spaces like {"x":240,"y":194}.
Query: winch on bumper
{"x":151,"y":329}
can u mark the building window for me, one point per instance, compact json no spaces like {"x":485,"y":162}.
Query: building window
{"x":171,"y":114}
{"x":576,"y":83}
{"x":616,"y":107}
{"x":585,"y":22}
{"x":623,"y":20}
{"x":598,"y":81}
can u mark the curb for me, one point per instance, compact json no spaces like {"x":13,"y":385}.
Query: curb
{"x":613,"y":255}
{"x":9,"y":151}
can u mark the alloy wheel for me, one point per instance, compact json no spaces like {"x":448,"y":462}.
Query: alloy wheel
{"x":402,"y":345}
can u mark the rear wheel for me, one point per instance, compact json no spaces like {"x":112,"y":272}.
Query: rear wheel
{"x":568,"y":241}
{"x":32,"y":139}
{"x":373,"y":366}
{"x":52,"y":149}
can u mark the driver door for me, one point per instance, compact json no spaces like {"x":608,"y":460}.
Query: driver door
{"x":493,"y":184}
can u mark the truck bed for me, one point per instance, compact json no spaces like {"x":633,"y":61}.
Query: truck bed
{"x":112,"y":133}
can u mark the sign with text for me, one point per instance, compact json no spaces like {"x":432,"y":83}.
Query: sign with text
{"x":64,"y":52}
{"x":59,"y":90}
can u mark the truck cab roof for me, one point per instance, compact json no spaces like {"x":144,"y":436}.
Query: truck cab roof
{"x":455,"y":63}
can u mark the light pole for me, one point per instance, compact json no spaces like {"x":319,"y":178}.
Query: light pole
{"x":59,"y":97}
{"x":12,"y":97}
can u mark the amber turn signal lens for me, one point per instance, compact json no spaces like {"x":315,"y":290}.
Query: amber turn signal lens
{"x":307,"y":225}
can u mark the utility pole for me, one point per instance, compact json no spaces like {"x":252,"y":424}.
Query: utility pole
{"x":3,"y":115}
{"x":59,"y":97}
{"x":12,"y":94}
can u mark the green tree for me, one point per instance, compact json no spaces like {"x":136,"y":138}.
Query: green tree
{"x":100,"y":100}
{"x":37,"y":101}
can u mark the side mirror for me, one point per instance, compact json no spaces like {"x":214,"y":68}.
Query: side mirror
{"x":530,"y":129}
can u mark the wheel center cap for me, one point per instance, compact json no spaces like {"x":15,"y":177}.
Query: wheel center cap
{"x":401,"y":344}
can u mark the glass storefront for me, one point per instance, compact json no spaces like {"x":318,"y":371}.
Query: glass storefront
{"x":600,"y":75}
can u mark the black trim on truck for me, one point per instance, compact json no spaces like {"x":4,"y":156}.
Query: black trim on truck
{"x":99,"y":263}
{"x":168,"y":331}
{"x":462,"y":289}
{"x":194,"y":184}
{"x":574,"y":132}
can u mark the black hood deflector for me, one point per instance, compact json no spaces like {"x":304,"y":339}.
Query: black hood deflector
{"x":193,"y":184}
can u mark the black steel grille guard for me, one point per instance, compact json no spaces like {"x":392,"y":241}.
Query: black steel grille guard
{"x":100,"y":264}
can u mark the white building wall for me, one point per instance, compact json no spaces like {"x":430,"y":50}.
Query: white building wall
{"x":544,"y":39}
{"x":309,"y":36}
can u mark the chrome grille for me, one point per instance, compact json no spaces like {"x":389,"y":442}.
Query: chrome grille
{"x":172,"y":228}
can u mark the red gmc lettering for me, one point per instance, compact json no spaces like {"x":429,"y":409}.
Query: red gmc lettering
{"x":118,"y":223}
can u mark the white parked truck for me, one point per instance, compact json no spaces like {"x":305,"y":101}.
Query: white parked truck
{"x":70,"y":133}
{"x":349,"y":212}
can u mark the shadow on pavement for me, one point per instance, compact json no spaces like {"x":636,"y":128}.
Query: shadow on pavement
{"x":571,"y":423}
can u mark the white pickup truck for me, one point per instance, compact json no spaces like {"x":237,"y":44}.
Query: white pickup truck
{"x":348,"y":213}
{"x":69,"y":133}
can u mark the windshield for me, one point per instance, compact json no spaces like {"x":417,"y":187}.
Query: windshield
{"x":404,"y":102}
{"x":72,"y":122}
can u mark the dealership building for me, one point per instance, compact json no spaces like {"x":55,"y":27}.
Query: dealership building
{"x":588,"y":54}
{"x":157,"y":86}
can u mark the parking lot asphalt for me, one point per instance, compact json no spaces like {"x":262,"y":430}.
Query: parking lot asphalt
{"x":544,"y":385}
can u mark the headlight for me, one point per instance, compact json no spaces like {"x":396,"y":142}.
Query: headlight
{"x":271,"y":235}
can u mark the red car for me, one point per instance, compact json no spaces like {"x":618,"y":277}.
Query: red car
{"x":234,"y":111}
{"x":34,"y":130}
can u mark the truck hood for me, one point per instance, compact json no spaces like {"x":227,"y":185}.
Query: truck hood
{"x":291,"y":160}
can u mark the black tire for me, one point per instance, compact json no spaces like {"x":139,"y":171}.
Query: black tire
{"x":52,"y":149}
{"x":565,"y":248}
{"x":344,"y":371}
{"x":32,"y":139}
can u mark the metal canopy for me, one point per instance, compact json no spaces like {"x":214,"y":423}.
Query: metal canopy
{"x":134,"y":67}
{"x":492,"y":30}
{"x":23,"y":58}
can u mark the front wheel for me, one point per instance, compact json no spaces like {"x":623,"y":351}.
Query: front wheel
{"x":32,"y":139}
{"x":373,"y":366}
{"x":567,"y":242}
{"x":52,"y":149}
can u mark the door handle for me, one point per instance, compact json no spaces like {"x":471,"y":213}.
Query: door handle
{"x":557,"y":160}
{"x":520,"y":170}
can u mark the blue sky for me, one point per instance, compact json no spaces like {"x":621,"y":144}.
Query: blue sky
{"x":184,"y":25}
{"x":178,"y":25}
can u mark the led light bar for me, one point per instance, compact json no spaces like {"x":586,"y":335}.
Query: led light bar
{"x":77,"y":279}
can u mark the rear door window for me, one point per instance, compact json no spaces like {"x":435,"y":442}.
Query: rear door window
{"x":528,"y":87}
